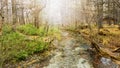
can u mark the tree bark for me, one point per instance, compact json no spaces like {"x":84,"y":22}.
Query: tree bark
{"x":22,"y":13}
{"x":1,"y":16}
{"x":14,"y":14}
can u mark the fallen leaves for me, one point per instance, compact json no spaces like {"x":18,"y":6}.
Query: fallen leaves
{"x":106,"y":41}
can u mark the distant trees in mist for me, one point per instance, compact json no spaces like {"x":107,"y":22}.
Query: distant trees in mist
{"x":17,"y":12}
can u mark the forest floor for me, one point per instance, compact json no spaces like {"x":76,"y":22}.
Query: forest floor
{"x":68,"y":53}
{"x":72,"y":51}
{"x":104,"y":44}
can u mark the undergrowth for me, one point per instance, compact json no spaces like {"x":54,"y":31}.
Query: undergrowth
{"x":15,"y":47}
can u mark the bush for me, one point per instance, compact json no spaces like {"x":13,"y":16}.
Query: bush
{"x":41,"y":31}
{"x":28,"y":29}
{"x":36,"y":46}
{"x":14,"y":45}
{"x":21,"y":55}
{"x":53,"y":30}
{"x":7,"y":29}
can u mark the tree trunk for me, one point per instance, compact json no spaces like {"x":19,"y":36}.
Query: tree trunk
{"x":100,"y":14}
{"x":1,"y":22}
{"x":14,"y":14}
{"x":22,"y":13}
{"x":36,"y":21}
{"x":1,"y":16}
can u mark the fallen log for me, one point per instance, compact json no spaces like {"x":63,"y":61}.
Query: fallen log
{"x":101,"y":51}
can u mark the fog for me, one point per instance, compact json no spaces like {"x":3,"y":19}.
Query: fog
{"x":55,"y":11}
{"x":62,"y":11}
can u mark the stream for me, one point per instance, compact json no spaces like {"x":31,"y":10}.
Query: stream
{"x":70,"y":54}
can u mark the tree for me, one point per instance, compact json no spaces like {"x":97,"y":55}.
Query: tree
{"x":1,"y":15}
{"x":22,"y":18}
{"x":99,"y":13}
{"x":14,"y":14}
{"x":36,"y":9}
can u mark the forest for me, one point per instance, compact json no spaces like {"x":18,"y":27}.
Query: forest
{"x":59,"y":33}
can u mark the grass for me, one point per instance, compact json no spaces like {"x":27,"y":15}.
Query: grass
{"x":26,"y":41}
{"x":28,"y":29}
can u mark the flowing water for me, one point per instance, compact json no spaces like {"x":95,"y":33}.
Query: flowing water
{"x":70,"y":54}
{"x":106,"y":63}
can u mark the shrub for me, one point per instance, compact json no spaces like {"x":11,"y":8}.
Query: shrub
{"x":41,"y":31}
{"x":28,"y":29}
{"x":9,"y":44}
{"x":7,"y":29}
{"x":21,"y":55}
{"x":36,"y":46}
{"x":14,"y":45}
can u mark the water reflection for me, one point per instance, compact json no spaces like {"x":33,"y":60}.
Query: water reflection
{"x":107,"y":63}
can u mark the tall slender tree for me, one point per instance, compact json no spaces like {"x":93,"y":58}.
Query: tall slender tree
{"x":1,"y":15}
{"x":14,"y":14}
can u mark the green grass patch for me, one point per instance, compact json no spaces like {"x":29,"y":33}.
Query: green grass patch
{"x":28,"y":29}
{"x":26,"y":41}
{"x":14,"y":45}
